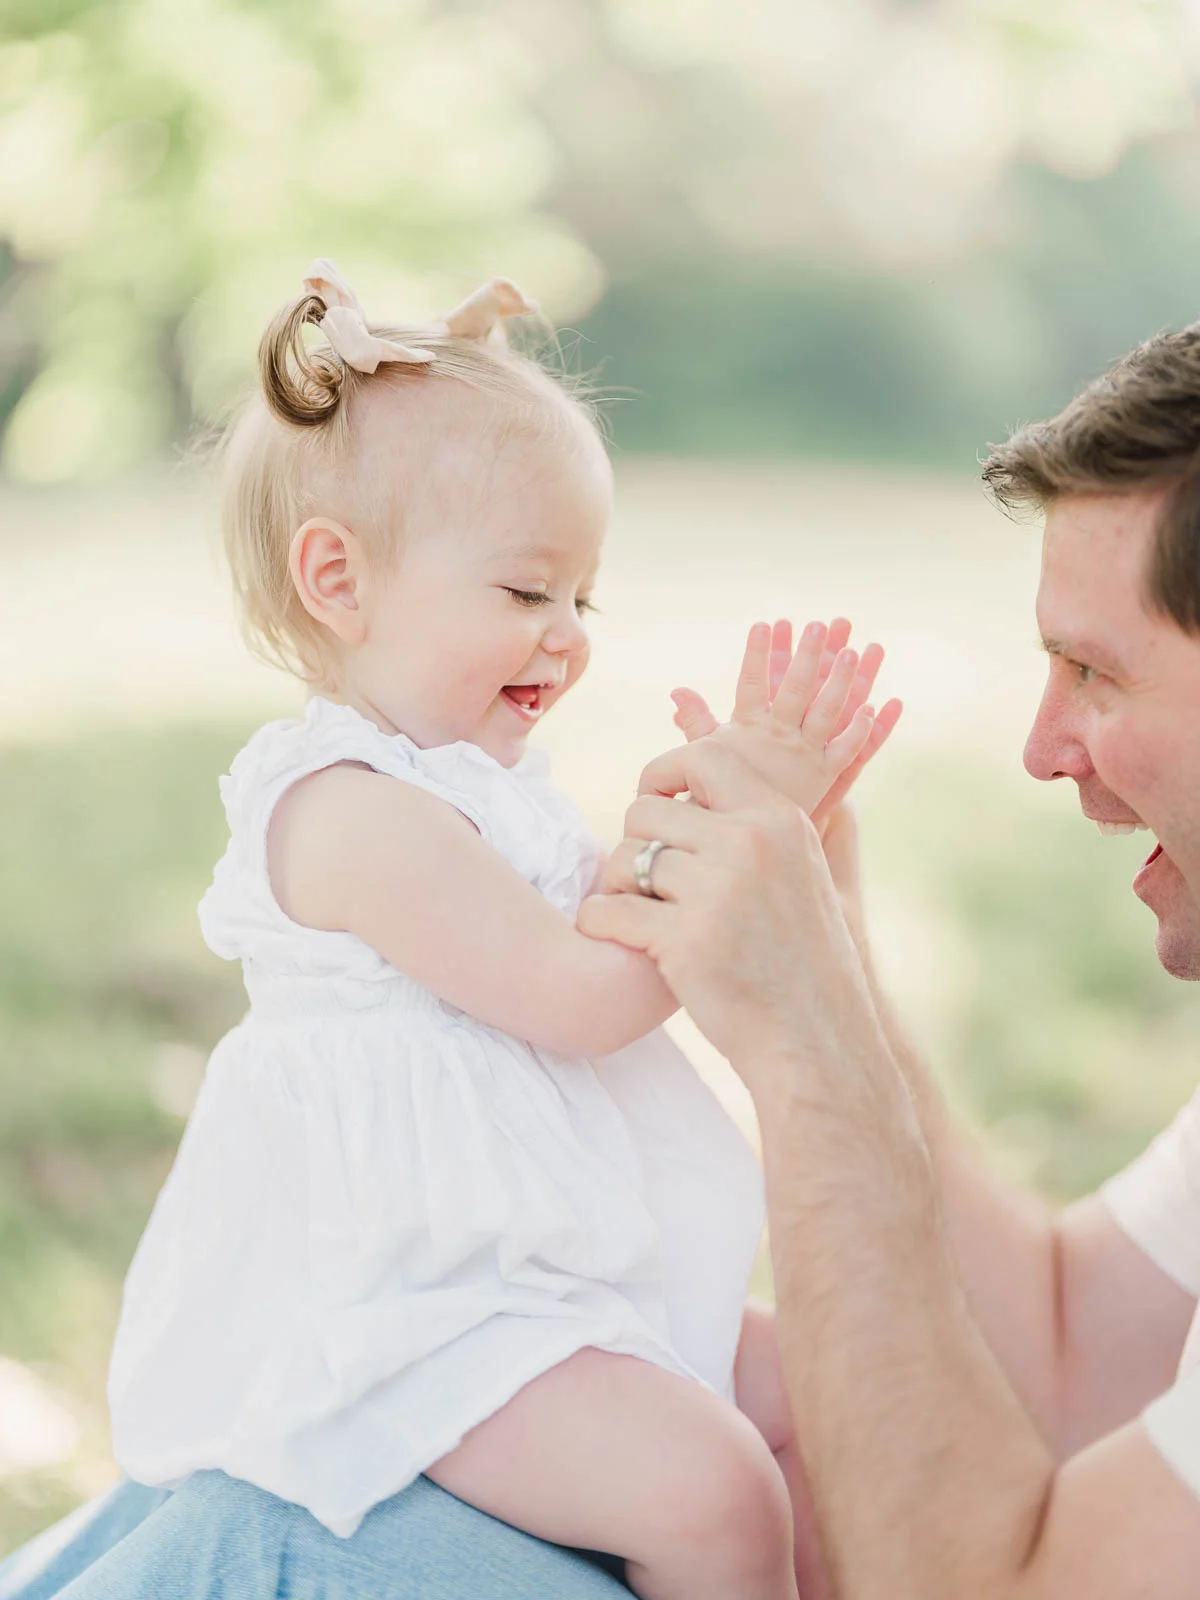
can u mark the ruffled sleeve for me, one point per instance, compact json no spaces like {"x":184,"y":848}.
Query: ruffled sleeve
{"x":516,"y":811}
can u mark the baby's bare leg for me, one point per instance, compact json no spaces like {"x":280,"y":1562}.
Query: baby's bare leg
{"x":758,"y":1382}
{"x":608,"y":1452}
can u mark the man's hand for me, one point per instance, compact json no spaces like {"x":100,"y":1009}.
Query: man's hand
{"x":748,"y":930}
{"x":802,"y":721}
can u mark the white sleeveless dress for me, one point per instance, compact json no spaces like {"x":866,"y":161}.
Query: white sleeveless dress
{"x":386,"y":1217}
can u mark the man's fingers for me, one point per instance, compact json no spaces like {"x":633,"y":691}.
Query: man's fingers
{"x":885,"y":720}
{"x":750,"y":696}
{"x":654,"y":816}
{"x":633,"y":920}
{"x":781,"y":654}
{"x":839,"y":635}
{"x":692,"y":716}
{"x":845,"y":747}
{"x":864,"y":682}
{"x":668,"y":873}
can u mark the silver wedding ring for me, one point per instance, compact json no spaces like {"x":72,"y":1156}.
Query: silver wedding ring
{"x":643,"y":868}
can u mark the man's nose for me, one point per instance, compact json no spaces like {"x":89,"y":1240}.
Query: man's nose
{"x":1056,"y":746}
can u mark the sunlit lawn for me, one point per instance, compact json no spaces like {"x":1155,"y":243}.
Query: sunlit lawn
{"x":1005,"y":923}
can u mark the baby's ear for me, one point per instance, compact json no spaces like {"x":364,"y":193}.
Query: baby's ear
{"x":327,"y":565}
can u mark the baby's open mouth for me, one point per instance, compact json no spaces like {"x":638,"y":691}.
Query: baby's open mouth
{"x":526,"y":698}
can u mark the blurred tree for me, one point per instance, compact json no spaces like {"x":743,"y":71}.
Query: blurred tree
{"x":736,"y":356}
{"x":166,"y":171}
{"x":823,"y":222}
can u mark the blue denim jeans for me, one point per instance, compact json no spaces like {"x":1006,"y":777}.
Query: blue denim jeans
{"x":217,"y":1538}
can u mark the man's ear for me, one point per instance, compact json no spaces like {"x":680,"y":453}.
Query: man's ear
{"x":328,"y":568}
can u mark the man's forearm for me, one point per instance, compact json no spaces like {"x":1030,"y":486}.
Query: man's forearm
{"x":1054,"y":1294}
{"x":883,"y":1359}
{"x":1004,"y":1241}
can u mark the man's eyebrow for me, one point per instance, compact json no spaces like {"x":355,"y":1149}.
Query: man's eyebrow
{"x":1085,"y":650}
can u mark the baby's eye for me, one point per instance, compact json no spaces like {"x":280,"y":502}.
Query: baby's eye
{"x":583,"y":605}
{"x":529,"y":597}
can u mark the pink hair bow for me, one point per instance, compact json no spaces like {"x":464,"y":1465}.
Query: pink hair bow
{"x":346,"y":328}
{"x":480,"y":316}
{"x":482,"y":313}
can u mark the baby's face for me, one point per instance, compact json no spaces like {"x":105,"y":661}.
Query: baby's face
{"x":479,"y":627}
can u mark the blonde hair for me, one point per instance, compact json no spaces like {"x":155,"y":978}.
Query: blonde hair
{"x":296,"y":450}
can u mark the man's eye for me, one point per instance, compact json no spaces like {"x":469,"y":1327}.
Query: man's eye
{"x":529,"y":597}
{"x":1086,"y":674}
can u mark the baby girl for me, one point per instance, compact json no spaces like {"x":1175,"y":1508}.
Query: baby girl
{"x":450,"y":1201}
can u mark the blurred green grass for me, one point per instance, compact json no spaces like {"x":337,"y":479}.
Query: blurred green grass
{"x":104,"y":982}
{"x":1059,"y":1034}
{"x":1015,"y":944}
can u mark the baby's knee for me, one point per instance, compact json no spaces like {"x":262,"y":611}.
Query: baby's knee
{"x":731,"y":1506}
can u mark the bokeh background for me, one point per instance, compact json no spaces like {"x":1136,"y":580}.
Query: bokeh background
{"x":817,"y":252}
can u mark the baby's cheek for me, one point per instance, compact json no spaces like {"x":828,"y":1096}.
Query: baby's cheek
{"x":578,"y":665}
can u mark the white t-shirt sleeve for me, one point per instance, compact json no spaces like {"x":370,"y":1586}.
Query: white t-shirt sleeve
{"x":1173,"y":1424}
{"x":1156,"y":1201}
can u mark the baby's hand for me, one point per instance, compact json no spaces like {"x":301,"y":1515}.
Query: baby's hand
{"x":802,"y":721}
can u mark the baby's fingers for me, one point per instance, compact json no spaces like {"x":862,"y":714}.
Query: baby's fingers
{"x":825,"y":714}
{"x":836,"y":641}
{"x":795,"y":691}
{"x":692,"y":716}
{"x":751,"y":695}
{"x":846,"y":747}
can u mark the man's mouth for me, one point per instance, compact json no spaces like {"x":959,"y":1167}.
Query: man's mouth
{"x":1130,"y":825}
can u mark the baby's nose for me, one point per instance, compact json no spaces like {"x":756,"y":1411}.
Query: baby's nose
{"x":566,"y":633}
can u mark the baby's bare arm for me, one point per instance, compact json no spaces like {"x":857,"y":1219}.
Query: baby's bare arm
{"x":354,"y":851}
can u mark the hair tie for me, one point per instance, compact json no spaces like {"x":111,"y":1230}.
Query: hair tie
{"x":482,"y":314}
{"x":346,"y":328}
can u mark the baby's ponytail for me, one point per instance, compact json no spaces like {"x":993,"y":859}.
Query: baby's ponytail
{"x":301,"y":386}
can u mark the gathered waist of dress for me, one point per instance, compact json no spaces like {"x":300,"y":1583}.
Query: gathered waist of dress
{"x":287,"y":997}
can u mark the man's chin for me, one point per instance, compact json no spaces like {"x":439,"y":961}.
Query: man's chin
{"x":1161,"y":886}
{"x":1178,"y":952}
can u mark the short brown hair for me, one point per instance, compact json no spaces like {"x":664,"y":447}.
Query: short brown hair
{"x":1135,"y":428}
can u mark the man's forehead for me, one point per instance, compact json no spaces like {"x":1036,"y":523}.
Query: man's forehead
{"x":1091,"y":601}
{"x":1093,"y":533}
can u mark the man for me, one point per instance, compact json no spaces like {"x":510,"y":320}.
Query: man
{"x":985,"y":1394}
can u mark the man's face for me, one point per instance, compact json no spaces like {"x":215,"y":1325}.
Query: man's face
{"x":1121,"y":711}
